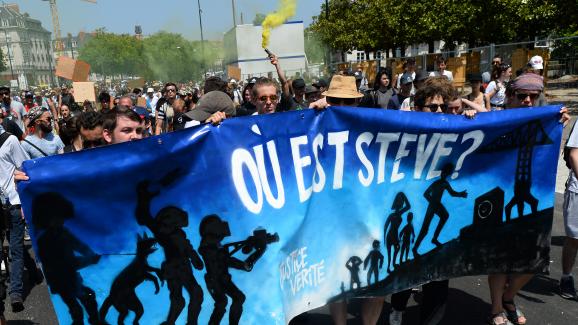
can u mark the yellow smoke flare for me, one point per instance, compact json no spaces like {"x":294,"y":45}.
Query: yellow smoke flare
{"x":277,"y":18}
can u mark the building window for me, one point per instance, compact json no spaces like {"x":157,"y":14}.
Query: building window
{"x":378,"y":55}
{"x":360,"y":56}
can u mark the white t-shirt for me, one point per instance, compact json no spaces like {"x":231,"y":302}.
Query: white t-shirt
{"x":572,"y":185}
{"x":406,"y":104}
{"x":500,"y":95}
{"x":446,"y":73}
{"x":11,"y":157}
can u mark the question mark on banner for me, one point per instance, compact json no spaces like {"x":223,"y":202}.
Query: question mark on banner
{"x":478,"y":137}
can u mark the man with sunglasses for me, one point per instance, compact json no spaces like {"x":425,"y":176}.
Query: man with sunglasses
{"x":42,"y":141}
{"x":265,"y":96}
{"x":165,"y":113}
{"x":11,"y":109}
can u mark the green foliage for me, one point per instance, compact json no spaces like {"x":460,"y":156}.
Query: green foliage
{"x":162,"y":56}
{"x":315,"y":49}
{"x":384,"y":24}
{"x":259,"y":18}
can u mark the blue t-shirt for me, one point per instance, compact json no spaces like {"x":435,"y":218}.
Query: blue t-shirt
{"x":50,"y":145}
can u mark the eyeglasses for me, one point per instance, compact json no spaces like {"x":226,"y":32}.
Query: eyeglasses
{"x":171,"y":90}
{"x":522,"y":96}
{"x":435,"y":107}
{"x":272,"y":98}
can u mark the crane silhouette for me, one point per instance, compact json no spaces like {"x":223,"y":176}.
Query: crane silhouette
{"x":524,"y":138}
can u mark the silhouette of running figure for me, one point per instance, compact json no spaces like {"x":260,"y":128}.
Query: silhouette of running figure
{"x":375,"y":261}
{"x":400,"y":206}
{"x":218,"y":259}
{"x":433,"y":195}
{"x":62,"y":255}
{"x":352,"y":265}
{"x":179,"y":253}
{"x":407,"y":235}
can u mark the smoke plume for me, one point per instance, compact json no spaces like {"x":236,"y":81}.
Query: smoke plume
{"x":277,"y":18}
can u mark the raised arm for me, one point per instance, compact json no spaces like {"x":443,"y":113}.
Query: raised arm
{"x":281,"y":74}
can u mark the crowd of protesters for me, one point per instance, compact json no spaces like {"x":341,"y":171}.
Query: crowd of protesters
{"x":36,"y":125}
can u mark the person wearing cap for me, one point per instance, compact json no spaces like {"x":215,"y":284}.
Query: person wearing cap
{"x":289,"y":102}
{"x":409,"y":66}
{"x":406,"y":82}
{"x":213,"y":107}
{"x":321,"y":85}
{"x":536,"y":66}
{"x":442,"y":64}
{"x":418,"y":83}
{"x":29,"y":101}
{"x":237,"y":96}
{"x":496,"y":90}
{"x":41,"y":142}
{"x":311,"y":94}
{"x":522,"y":92}
{"x":151,"y":100}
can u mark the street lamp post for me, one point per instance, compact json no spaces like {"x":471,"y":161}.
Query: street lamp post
{"x":234,"y":14}
{"x":10,"y":59}
{"x":202,"y":38}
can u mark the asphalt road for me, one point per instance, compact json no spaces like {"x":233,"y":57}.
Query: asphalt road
{"x":468,"y":301}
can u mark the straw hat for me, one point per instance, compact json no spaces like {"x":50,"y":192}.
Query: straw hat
{"x":342,"y":87}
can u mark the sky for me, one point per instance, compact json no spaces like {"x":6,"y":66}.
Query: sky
{"x":178,"y":16}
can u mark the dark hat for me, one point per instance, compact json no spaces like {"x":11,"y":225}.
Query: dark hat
{"x":252,"y":80}
{"x":358,"y":75}
{"x":321,"y":83}
{"x":298,"y":83}
{"x":34,"y":113}
{"x":311,"y":89}
{"x":474,"y":77}
{"x":405,"y":79}
{"x":212,"y":102}
{"x":421,"y":75}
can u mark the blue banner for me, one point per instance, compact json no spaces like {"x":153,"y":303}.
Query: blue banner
{"x":265,"y":217}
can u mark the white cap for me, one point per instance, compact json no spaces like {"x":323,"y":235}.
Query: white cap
{"x":536,"y":62}
{"x":150,"y":90}
{"x":233,"y":81}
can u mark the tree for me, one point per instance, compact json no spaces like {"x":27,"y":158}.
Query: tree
{"x":259,"y":18}
{"x":315,"y":49}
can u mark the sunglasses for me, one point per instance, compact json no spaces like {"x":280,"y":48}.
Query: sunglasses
{"x":342,"y":101}
{"x":93,"y":143}
{"x":496,"y":62}
{"x":171,"y":90}
{"x":265,"y":98}
{"x":522,"y":96}
{"x":435,"y":107}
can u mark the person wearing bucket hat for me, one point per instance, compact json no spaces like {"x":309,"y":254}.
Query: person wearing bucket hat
{"x":41,"y":142}
{"x":213,"y":107}
{"x":342,"y":91}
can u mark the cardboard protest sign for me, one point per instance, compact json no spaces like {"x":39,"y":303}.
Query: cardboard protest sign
{"x":136,"y":83}
{"x":279,"y":220}
{"x":75,"y":70}
{"x":84,"y":91}
{"x":233,"y":72}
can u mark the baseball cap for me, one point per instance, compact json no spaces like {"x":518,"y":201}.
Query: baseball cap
{"x":298,"y":83}
{"x":405,"y":79}
{"x":321,"y":83}
{"x":311,"y":89}
{"x":212,"y":102}
{"x":358,"y":75}
{"x":252,"y":80}
{"x":150,"y":90}
{"x":34,"y":113}
{"x":536,"y":62}
{"x":421,"y":75}
{"x":142,"y":112}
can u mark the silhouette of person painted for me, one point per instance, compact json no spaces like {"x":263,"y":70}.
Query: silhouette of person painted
{"x":352,"y":265}
{"x":167,"y":228}
{"x":122,"y":293}
{"x":218,"y":259}
{"x":62,"y":255}
{"x":522,"y":195}
{"x":375,"y":261}
{"x":433,"y":195}
{"x":407,"y":236}
{"x":391,"y":229}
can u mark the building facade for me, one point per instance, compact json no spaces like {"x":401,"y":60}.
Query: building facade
{"x":27,"y":48}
